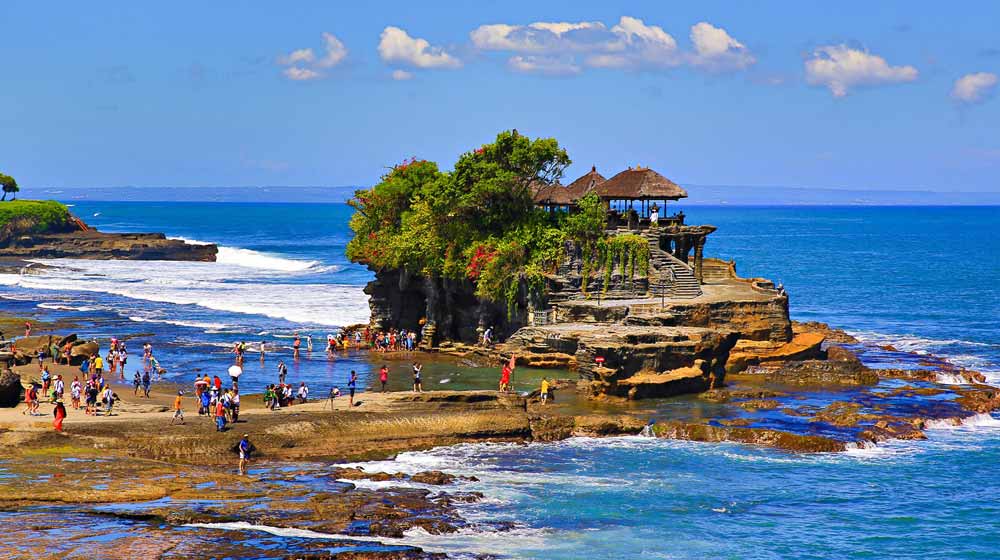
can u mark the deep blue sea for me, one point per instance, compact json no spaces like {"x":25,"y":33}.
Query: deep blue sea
{"x":924,"y":279}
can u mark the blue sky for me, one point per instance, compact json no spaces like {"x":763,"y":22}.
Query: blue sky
{"x":857,"y":95}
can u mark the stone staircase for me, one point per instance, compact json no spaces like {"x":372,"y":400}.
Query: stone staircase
{"x":685,"y":284}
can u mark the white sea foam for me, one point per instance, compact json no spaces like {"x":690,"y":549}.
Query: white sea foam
{"x":193,"y":324}
{"x":971,"y":423}
{"x":474,"y":539}
{"x":211,"y":285}
{"x":249,"y":258}
{"x":64,"y":307}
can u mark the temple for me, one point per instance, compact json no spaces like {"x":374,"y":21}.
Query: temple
{"x":636,"y":200}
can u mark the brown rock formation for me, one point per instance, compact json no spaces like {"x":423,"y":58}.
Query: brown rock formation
{"x":92,"y":244}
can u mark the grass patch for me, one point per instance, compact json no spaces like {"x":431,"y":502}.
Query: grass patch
{"x":32,"y":216}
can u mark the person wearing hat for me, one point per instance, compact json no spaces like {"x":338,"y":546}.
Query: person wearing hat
{"x":59,"y":414}
{"x":245,"y":448}
{"x":178,"y":413}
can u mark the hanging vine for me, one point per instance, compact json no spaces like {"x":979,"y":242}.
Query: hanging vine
{"x":628,"y":253}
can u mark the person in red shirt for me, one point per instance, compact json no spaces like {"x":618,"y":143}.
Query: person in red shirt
{"x":220,"y":416}
{"x":505,"y":379}
{"x":59,"y":414}
{"x":217,"y":381}
{"x":383,"y":376}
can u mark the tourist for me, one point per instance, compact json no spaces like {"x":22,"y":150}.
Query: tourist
{"x":418,"y":386}
{"x":41,"y":358}
{"x":234,"y":403}
{"x":108,"y":398}
{"x":58,"y":414}
{"x":309,"y":343}
{"x":488,"y":336}
{"x":303,"y":393}
{"x":58,"y":388}
{"x":296,"y":343}
{"x":178,"y":412}
{"x":122,"y":359}
{"x":136,"y":381}
{"x":545,"y":389}
{"x":505,"y":378}
{"x":147,"y":352}
{"x":282,"y":371}
{"x":46,"y":380}
{"x":91,"y":394}
{"x":98,"y":364}
{"x":155,"y":366}
{"x":30,"y":395}
{"x":262,"y":351}
{"x":245,"y":448}
{"x":145,"y":384}
{"x":352,"y":385}
{"x":75,"y":389}
{"x":217,"y":383}
{"x":383,"y":376}
{"x":27,"y":329}
{"x":204,"y":401}
{"x":220,"y":416}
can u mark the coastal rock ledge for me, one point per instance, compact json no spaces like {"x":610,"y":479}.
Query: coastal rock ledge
{"x":91,"y":244}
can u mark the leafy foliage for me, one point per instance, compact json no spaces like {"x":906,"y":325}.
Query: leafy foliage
{"x":477,"y":222}
{"x":9,"y":186}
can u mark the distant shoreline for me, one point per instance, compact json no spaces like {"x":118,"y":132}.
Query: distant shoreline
{"x":699,"y":196}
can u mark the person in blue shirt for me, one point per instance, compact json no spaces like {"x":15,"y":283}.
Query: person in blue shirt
{"x":245,"y":448}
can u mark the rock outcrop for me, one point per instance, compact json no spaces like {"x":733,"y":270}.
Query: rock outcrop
{"x":10,"y":389}
{"x":92,"y":244}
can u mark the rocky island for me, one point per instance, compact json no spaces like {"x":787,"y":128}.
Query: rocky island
{"x":45,"y":229}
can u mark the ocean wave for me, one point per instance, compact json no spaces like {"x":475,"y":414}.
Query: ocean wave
{"x":192,"y":324}
{"x":248,"y":258}
{"x":64,"y":307}
{"x":914,"y":343}
{"x":975,"y":422}
{"x":207,"y":285}
{"x":474,"y":539}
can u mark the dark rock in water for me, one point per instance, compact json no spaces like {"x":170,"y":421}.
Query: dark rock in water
{"x":824,"y":372}
{"x":83,"y":351}
{"x":759,"y":436}
{"x":92,"y":244}
{"x":10,"y":389}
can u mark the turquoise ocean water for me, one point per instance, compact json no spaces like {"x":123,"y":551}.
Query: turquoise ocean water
{"x":923,"y":279}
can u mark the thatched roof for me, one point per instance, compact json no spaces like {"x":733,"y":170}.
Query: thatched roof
{"x":639,"y":183}
{"x":558,"y":195}
{"x":586,"y":183}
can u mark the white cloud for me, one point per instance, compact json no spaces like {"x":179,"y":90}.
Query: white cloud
{"x":552,"y":66}
{"x":974,"y":88}
{"x":396,"y":46}
{"x":303,"y":65}
{"x":298,"y":74}
{"x":336,"y":52}
{"x":840,"y":68}
{"x":294,"y":57}
{"x":715,"y":48}
{"x":400,"y":75}
{"x":631,"y":43}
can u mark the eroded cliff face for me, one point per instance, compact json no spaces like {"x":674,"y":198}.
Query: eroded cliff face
{"x":439,"y":308}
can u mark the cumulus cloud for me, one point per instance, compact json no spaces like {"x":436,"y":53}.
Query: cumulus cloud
{"x":568,"y":47}
{"x":715,"y":48}
{"x":303,"y":64}
{"x":400,"y":75}
{"x":397,"y":47}
{"x":974,"y":88}
{"x":841,"y":68}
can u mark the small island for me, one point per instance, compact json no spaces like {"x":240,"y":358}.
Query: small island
{"x":45,"y":229}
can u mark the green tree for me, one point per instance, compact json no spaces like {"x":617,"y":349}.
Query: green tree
{"x":9,"y":186}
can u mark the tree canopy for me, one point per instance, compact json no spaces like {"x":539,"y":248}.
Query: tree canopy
{"x":9,"y":186}
{"x":476,"y":222}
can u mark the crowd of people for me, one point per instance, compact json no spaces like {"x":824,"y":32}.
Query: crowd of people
{"x":92,"y":391}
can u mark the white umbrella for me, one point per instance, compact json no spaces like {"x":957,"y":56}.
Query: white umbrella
{"x":235,"y":371}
